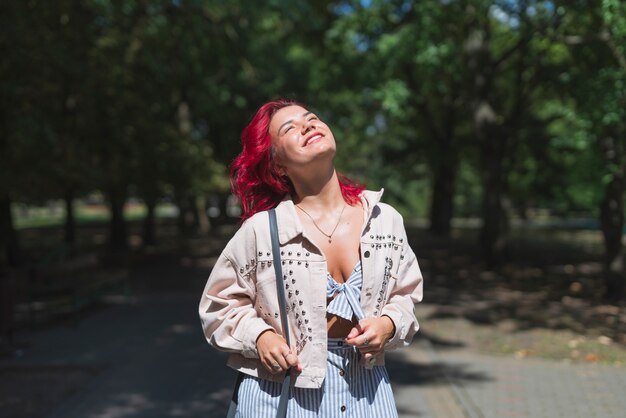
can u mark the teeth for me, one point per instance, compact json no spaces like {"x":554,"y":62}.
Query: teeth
{"x":312,"y":138}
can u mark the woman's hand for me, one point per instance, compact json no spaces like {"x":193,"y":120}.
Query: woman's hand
{"x":371,"y":335}
{"x":275,"y":354}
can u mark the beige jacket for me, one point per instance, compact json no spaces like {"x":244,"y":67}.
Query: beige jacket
{"x":240,"y":301}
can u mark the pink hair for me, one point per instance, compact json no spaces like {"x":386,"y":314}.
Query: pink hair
{"x":254,"y":176}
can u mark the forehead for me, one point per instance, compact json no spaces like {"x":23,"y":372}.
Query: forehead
{"x":286,"y":114}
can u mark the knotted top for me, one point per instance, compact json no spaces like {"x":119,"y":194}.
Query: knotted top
{"x":347,"y":301}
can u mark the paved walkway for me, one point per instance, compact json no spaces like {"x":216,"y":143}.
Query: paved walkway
{"x":149,"y":359}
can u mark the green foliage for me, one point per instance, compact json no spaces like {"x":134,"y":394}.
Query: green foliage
{"x":152,"y":96}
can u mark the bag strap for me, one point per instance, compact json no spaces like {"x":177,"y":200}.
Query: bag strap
{"x":280,"y":290}
{"x":282,"y":302}
{"x":278,"y":269}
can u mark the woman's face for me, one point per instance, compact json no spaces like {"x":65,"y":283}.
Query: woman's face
{"x":299,"y":137}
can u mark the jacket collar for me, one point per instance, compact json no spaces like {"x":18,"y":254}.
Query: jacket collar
{"x":289,"y":225}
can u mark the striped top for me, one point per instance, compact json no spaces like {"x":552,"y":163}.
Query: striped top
{"x":347,"y":301}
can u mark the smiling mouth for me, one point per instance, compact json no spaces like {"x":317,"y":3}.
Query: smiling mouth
{"x":313,"y":139}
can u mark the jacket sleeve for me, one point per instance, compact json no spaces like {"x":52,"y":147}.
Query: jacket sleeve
{"x":229,"y":319}
{"x":406,"y":292}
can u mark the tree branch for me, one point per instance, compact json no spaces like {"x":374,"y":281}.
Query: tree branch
{"x":605,"y":34}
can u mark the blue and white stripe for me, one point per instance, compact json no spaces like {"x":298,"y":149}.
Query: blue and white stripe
{"x":349,"y":390}
{"x":347,"y":301}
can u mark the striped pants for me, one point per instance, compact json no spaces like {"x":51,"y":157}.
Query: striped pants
{"x":349,"y":390}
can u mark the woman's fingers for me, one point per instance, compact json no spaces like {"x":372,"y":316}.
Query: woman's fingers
{"x":275,"y":354}
{"x":354,"y":332}
{"x":292,"y":359}
{"x":280,"y":359}
{"x":371,"y":334}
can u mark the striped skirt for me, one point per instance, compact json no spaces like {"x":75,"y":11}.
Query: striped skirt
{"x":349,"y":390}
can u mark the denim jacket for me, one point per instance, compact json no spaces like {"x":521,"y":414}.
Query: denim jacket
{"x":239,"y":301}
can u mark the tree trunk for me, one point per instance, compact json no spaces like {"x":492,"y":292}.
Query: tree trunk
{"x":612,"y":223}
{"x":493,"y":215}
{"x":193,"y":216}
{"x":9,"y":242}
{"x":149,"y":223}
{"x":117,"y":228}
{"x":203,"y":220}
{"x":70,"y":221}
{"x":181,"y":202}
{"x":8,"y":293}
{"x":443,"y":192}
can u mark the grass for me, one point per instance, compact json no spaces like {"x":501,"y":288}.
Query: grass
{"x":85,"y":214}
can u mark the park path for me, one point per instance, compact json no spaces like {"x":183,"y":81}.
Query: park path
{"x":148,"y":358}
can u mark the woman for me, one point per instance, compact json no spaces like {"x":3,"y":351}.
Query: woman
{"x":351,"y":280}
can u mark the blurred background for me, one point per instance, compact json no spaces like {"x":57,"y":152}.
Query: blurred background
{"x":497,"y":127}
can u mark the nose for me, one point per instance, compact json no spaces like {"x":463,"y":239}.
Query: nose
{"x":307,"y":126}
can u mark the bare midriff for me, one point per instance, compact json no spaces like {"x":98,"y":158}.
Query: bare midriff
{"x":338,"y":327}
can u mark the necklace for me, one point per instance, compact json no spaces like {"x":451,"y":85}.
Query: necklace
{"x":329,"y":236}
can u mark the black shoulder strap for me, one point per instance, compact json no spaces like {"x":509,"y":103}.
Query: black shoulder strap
{"x":278,"y":269}
{"x":280,"y":290}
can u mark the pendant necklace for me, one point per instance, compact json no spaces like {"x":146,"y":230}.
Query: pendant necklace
{"x":329,"y":236}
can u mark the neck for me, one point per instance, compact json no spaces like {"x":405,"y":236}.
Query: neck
{"x":320,"y":192}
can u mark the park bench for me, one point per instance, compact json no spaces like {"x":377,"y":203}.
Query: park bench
{"x":61,"y":285}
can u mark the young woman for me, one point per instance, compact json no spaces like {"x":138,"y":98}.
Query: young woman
{"x":351,"y":280}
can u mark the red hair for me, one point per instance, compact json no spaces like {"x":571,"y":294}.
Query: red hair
{"x":253,"y":173}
